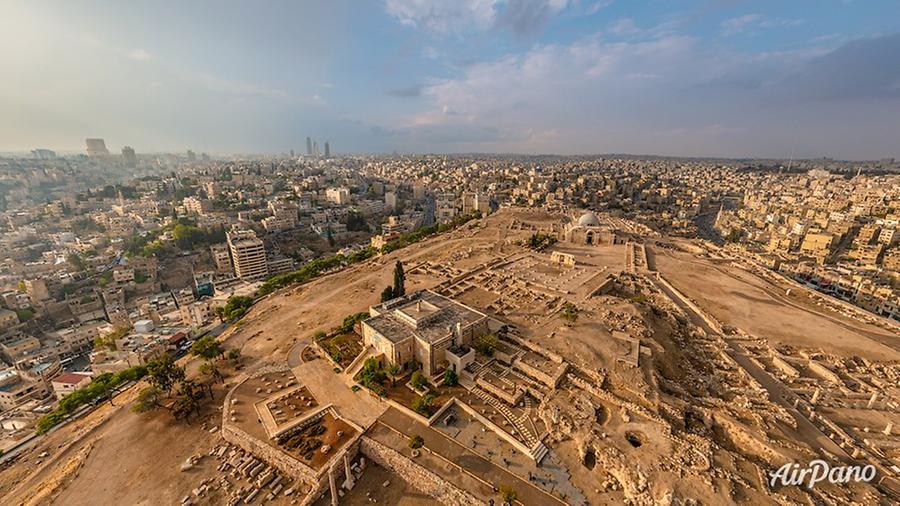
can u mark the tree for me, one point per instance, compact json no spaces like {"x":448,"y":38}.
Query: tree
{"x":220,"y":313}
{"x":508,"y":494}
{"x":350,"y":321}
{"x":164,"y":373}
{"x":418,"y":380}
{"x":236,"y":306}
{"x":423,"y":404}
{"x":387,"y":294}
{"x":104,"y":386}
{"x":211,"y":370}
{"x":416,"y":442}
{"x":540,"y":241}
{"x":109,"y":339}
{"x":399,"y":280}
{"x":76,"y":262}
{"x":187,"y":236}
{"x":485,"y":344}
{"x":734,"y":235}
{"x":393,"y":371}
{"x":570,"y":313}
{"x":234,"y":355}
{"x":450,"y":378}
{"x":371,"y":376}
{"x":356,"y":222}
{"x":147,"y":399}
{"x":207,"y":348}
{"x":188,"y":401}
{"x":24,"y":314}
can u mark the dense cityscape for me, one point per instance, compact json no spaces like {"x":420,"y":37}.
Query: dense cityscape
{"x":115,"y":266}
{"x":450,"y":252}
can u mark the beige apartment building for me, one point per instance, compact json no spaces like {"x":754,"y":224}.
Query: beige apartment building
{"x":221,"y":257}
{"x":248,"y":255}
{"x":817,"y":245}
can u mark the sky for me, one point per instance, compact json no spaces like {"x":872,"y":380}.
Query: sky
{"x":760,"y":78}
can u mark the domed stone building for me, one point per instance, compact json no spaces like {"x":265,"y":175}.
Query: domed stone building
{"x":587,"y":230}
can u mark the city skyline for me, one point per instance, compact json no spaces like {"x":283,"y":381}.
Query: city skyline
{"x":714,"y":79}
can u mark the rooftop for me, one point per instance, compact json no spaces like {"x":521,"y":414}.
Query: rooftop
{"x":70,"y":378}
{"x":424,"y":314}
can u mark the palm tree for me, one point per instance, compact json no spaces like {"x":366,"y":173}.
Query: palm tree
{"x":393,"y":371}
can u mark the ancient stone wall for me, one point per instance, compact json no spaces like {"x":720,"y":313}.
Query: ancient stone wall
{"x":551,"y":380}
{"x":540,"y":350}
{"x":510,"y":398}
{"x":518,"y":445}
{"x":715,"y":325}
{"x":272,"y":456}
{"x":415,"y":475}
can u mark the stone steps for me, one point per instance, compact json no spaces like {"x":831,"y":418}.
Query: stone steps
{"x":517,"y":423}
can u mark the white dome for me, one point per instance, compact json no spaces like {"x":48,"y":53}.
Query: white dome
{"x":588,"y":219}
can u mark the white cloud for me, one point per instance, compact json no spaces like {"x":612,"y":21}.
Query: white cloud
{"x":623,"y":27}
{"x":430,"y":52}
{"x":671,"y":92}
{"x":139,"y":55}
{"x":595,"y":7}
{"x":748,"y":22}
{"x":444,"y":16}
{"x":626,"y":28}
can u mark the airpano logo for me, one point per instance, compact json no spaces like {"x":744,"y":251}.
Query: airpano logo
{"x":818,"y":471}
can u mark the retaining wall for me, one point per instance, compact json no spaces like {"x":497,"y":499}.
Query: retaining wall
{"x":415,"y":475}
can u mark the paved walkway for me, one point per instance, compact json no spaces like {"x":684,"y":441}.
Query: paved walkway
{"x":329,"y":387}
{"x":472,"y":462}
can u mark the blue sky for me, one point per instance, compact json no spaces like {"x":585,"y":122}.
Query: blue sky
{"x":708,"y":78}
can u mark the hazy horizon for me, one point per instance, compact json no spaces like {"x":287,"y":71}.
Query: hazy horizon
{"x":712,"y":79}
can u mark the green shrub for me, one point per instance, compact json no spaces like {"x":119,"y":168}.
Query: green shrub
{"x":416,"y":442}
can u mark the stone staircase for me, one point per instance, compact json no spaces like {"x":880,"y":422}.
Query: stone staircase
{"x":517,"y":423}
{"x":478,"y":367}
{"x":538,"y":452}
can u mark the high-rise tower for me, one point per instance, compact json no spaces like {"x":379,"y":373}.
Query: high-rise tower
{"x":96,"y":147}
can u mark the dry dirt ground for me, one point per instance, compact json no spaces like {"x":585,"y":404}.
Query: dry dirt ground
{"x":134,"y":458}
{"x":118,"y":457}
{"x":743,"y":300}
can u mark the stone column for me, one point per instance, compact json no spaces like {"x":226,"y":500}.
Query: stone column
{"x":349,"y":482}
{"x":872,"y":400}
{"x":334,"y":492}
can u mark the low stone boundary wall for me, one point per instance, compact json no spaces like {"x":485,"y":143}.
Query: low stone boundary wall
{"x":540,"y":350}
{"x":510,"y":398}
{"x":603,"y":395}
{"x":686,"y":300}
{"x":415,"y":475}
{"x":551,"y":380}
{"x":518,"y":445}
{"x":273,"y":456}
